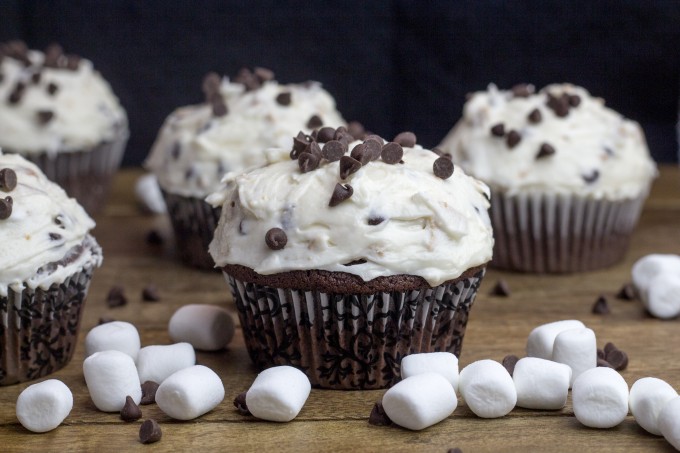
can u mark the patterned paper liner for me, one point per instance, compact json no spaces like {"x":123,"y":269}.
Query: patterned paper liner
{"x":39,"y":328}
{"x":351,"y":341}
{"x":194,"y":222}
{"x":546,"y":233}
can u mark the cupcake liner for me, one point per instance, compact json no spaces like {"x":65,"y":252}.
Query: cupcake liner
{"x":39,"y":328}
{"x":194,"y":222}
{"x":351,"y":341}
{"x":550,"y":233}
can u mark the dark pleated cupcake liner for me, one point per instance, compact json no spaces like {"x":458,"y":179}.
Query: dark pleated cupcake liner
{"x":351,"y":341}
{"x":39,"y":328}
{"x":544,"y":233}
{"x":194,"y":222}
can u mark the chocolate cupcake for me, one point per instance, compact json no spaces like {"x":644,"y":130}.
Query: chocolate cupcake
{"x":568,"y":176}
{"x":58,"y":112}
{"x":46,"y":263}
{"x":352,"y":255}
{"x":230,"y":132}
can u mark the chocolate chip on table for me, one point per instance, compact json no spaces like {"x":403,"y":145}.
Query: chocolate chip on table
{"x":601,"y":307}
{"x":545,"y":150}
{"x":150,"y":432}
{"x":391,"y":153}
{"x":284,"y":98}
{"x":276,"y":238}
{"x":509,"y":362}
{"x":150,"y":294}
{"x":600,"y":354}
{"x":442,"y":167}
{"x":325,"y":134}
{"x":333,"y":150}
{"x":535,"y":116}
{"x":44,"y":116}
{"x":406,"y":139}
{"x":501,"y":288}
{"x":609,"y":347}
{"x":348,"y":166}
{"x":340,"y":193}
{"x":130,"y":411}
{"x":498,"y":130}
{"x":522,"y":90}
{"x":627,"y":292}
{"x":454,"y":450}
{"x":116,"y":297}
{"x":513,"y":138}
{"x":153,"y":237}
{"x":378,"y":416}
{"x":149,"y":392}
{"x":240,"y":404}
{"x":5,"y":207}
{"x":603,"y":362}
{"x":617,"y":359}
{"x":8,"y":180}
{"x":592,"y":177}
{"x":314,"y":122}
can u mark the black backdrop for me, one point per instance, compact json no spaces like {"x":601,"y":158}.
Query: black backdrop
{"x":391,"y":64}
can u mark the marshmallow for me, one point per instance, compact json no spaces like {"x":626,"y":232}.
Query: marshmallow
{"x":156,"y":363}
{"x":278,"y":394}
{"x":190,"y":393}
{"x":487,"y":388}
{"x":576,"y":348}
{"x":541,"y":383}
{"x":541,"y":339}
{"x":600,"y":398}
{"x":420,"y":401}
{"x":443,"y":363}
{"x":149,"y":194}
{"x":669,"y":422}
{"x":648,"y":396}
{"x":115,"y":335}
{"x":110,"y":377}
{"x":647,"y":267}
{"x":42,"y":407}
{"x":205,"y":327}
{"x":662,"y":297}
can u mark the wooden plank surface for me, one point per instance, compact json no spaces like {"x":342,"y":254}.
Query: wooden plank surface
{"x":337,"y":420}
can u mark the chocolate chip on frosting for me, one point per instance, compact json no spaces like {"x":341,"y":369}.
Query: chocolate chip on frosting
{"x":375,"y":220}
{"x":373,"y":147}
{"x":325,"y":134}
{"x":284,"y":98}
{"x":6,"y":207}
{"x":360,"y":153}
{"x":16,"y":94}
{"x":522,"y":90}
{"x":308,"y":161}
{"x":211,"y":85}
{"x":535,"y":116}
{"x":545,"y":150}
{"x":35,"y":77}
{"x":356,"y":130}
{"x":52,"y":88}
{"x":592,"y":177}
{"x":44,"y":116}
{"x":219,"y":107}
{"x":333,"y":150}
{"x":264,"y":74}
{"x":498,"y":130}
{"x":348,"y":166}
{"x":340,"y":193}
{"x":559,"y":104}
{"x":276,"y":238}
{"x":406,"y":139}
{"x":314,"y":122}
{"x":300,"y":143}
{"x":8,"y":180}
{"x":442,"y":168}
{"x":513,"y":138}
{"x":574,"y":100}
{"x":53,"y":54}
{"x":72,"y":62}
{"x":391,"y":153}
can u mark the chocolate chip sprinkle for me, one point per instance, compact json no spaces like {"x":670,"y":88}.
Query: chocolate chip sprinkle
{"x":333,"y":151}
{"x":44,"y":116}
{"x":501,"y":289}
{"x":314,"y":122}
{"x":116,"y":297}
{"x":276,"y":238}
{"x":130,"y":411}
{"x":308,"y":162}
{"x":284,"y":98}
{"x":378,"y":416}
{"x":601,"y":307}
{"x":348,"y":166}
{"x":149,"y":392}
{"x":498,"y":130}
{"x":406,"y":139}
{"x":442,"y":168}
{"x":513,"y":138}
{"x":8,"y":180}
{"x":150,"y":293}
{"x":240,"y":404}
{"x":627,"y":292}
{"x":340,"y":193}
{"x":150,"y":432}
{"x":509,"y":362}
{"x":391,"y":153}
{"x":5,"y":208}
{"x":545,"y":150}
{"x":535,"y":116}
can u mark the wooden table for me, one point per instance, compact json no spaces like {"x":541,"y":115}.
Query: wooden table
{"x":338,"y":420}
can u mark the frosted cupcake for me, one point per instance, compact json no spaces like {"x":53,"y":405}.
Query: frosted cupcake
{"x":46,"y":263}
{"x":352,"y":255}
{"x":568,"y":175}
{"x":198,"y":144}
{"x":57,"y":111}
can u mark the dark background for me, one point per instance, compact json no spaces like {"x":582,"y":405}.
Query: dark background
{"x":392,"y":64}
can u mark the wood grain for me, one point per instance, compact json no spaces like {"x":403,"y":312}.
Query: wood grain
{"x":337,"y":420}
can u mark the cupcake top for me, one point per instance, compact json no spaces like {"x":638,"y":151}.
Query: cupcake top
{"x":559,"y":140}
{"x":44,"y":233}
{"x":52,"y":102}
{"x":363,"y":207}
{"x":240,"y":119}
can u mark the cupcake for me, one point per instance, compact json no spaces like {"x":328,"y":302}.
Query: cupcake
{"x":232,"y":131}
{"x":59,"y":113}
{"x":568,"y":176}
{"x":342,"y":262}
{"x":46,"y":263}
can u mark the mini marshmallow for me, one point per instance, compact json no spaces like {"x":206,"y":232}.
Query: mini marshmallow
{"x":149,"y":194}
{"x":541,"y":383}
{"x":190,"y":393}
{"x":205,"y":327}
{"x":110,"y":377}
{"x":156,"y":363}
{"x":649,"y":266}
{"x":662,"y":298}
{"x":576,"y":348}
{"x":42,"y":407}
{"x":600,"y":398}
{"x":487,"y":388}
{"x":648,"y":396}
{"x":443,"y":363}
{"x":420,"y":401}
{"x":541,"y":339}
{"x":115,"y":335}
{"x":278,"y":394}
{"x":669,"y":422}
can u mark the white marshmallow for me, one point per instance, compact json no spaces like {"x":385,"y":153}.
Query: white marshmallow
{"x":487,"y":388}
{"x":149,"y":194}
{"x":156,"y":363}
{"x":662,"y":297}
{"x":600,"y":398}
{"x":420,"y":401}
{"x":576,"y":348}
{"x":649,"y":266}
{"x":443,"y":363}
{"x":278,"y":394}
{"x":205,"y":327}
{"x":116,"y":335}
{"x":190,"y":393}
{"x":110,"y":377}
{"x":648,"y":396}
{"x":669,"y":422}
{"x":541,"y":339}
{"x":42,"y":407}
{"x":541,"y":383}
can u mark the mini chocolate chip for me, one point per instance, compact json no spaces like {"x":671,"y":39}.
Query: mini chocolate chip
{"x":153,"y":237}
{"x":55,"y":236}
{"x":373,"y":148}
{"x":501,"y":289}
{"x":333,"y":150}
{"x":276,"y":238}
{"x":16,"y":94}
{"x":116,"y":297}
{"x":284,"y":98}
{"x":498,"y":130}
{"x":617,"y":359}
{"x":609,"y":347}
{"x":627,"y":292}
{"x":375,"y":220}
{"x":8,"y":180}
{"x":355,"y":262}
{"x":53,"y":53}
{"x":308,"y":162}
{"x":219,"y":107}
{"x":545,"y":150}
{"x":574,"y":100}
{"x":340,"y":193}
{"x":535,"y":116}
{"x":406,"y":139}
{"x":522,"y":90}
{"x":378,"y":416}
{"x":149,"y":392}
{"x":314,"y":148}
{"x":150,"y":294}
{"x":72,"y":62}
{"x":391,"y":153}
{"x":348,"y":166}
{"x":360,"y":153}
{"x":591,"y":178}
{"x":5,"y":207}
{"x":356,"y":130}
{"x":130,"y":411}
{"x":240,"y":404}
{"x":559,"y":105}
{"x":52,"y":88}
{"x":150,"y":432}
{"x":603,"y":363}
{"x":264,"y":74}
{"x":513,"y":138}
{"x":442,"y":168}
{"x":454,"y":450}
{"x":509,"y":362}
{"x":314,"y":122}
{"x":601,"y":307}
{"x":325,"y":134}
{"x":35,"y":77}
{"x":600,"y":354}
{"x":211,"y":85}
{"x":44,"y":116}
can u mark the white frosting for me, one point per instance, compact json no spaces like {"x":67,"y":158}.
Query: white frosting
{"x":433,"y":228}
{"x":591,"y":138}
{"x":40,"y":209}
{"x":194,"y":149}
{"x":86,"y":112}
